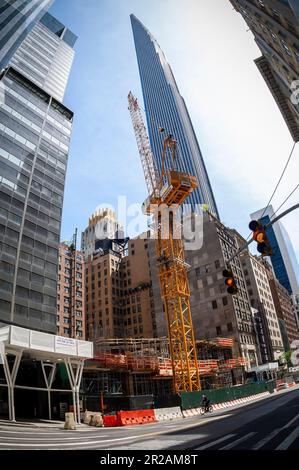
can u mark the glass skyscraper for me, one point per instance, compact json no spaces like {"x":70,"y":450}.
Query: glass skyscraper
{"x":17,"y":18}
{"x":46,"y":56}
{"x":165,"y":108}
{"x":283,"y":260}
{"x":35,"y":129}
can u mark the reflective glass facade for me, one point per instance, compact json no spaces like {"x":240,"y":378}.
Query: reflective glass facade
{"x":165,"y":108}
{"x":45,"y":58}
{"x":283,"y":260}
{"x":34,"y":141}
{"x":17,"y":18}
{"x":35,"y":130}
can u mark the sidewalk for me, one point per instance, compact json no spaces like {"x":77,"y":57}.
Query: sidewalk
{"x":47,"y":424}
{"x":42,"y":423}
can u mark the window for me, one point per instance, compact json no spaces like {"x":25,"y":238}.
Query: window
{"x":214,"y":304}
{"x":218,"y":330}
{"x":224,"y":300}
{"x":229,"y":327}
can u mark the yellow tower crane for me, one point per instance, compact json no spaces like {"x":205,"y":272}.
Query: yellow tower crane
{"x":170,"y":189}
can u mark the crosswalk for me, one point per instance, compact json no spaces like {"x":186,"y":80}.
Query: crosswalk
{"x":262,"y":428}
{"x":242,"y":443}
{"x":279,"y":439}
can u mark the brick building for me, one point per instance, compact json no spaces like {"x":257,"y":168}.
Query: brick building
{"x":215,"y":313}
{"x":261,"y":300}
{"x":70,"y":293}
{"x":283,"y":305}
{"x":119,"y":299}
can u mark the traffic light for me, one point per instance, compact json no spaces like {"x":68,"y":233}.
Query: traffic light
{"x":230,"y":282}
{"x":259,"y":235}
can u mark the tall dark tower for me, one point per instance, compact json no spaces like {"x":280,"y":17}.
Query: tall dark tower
{"x":165,"y":108}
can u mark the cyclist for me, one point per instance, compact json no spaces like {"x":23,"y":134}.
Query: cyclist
{"x":205,"y":403}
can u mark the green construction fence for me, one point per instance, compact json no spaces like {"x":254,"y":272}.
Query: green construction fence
{"x":220,"y":395}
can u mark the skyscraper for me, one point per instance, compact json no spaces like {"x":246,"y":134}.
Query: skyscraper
{"x":46,"y":56}
{"x":17,"y":18}
{"x":275,"y":26}
{"x":165,"y":108}
{"x":284,"y":259}
{"x":35,"y":131}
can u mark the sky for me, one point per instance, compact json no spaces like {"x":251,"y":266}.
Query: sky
{"x":243,"y":138}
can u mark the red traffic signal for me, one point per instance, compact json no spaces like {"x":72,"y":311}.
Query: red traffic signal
{"x":259,"y":235}
{"x":230,"y":282}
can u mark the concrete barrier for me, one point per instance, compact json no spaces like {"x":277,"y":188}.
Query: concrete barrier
{"x":96,"y":420}
{"x":88,"y":416}
{"x":69,"y":421}
{"x":127,"y":418}
{"x":110,"y":421}
{"x":168,"y":414}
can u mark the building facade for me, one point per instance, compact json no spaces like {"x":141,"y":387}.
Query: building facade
{"x":103,"y":228}
{"x":70,"y":293}
{"x":275,"y":26}
{"x":261,"y":299}
{"x":165,"y":108}
{"x":283,"y":259}
{"x":283,"y":305}
{"x":139,"y":317}
{"x":119,"y":299}
{"x":46,"y":56}
{"x":17,"y":18}
{"x":295,"y":302}
{"x":215,"y":313}
{"x":35,"y":133}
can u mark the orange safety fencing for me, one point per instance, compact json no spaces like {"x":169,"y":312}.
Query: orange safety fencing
{"x":224,"y":342}
{"x":162,"y":366}
{"x":231,"y":363}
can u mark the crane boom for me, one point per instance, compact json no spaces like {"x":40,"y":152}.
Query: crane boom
{"x":172,"y":268}
{"x":143,"y":144}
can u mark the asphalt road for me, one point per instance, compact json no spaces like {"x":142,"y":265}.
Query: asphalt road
{"x":270,"y":423}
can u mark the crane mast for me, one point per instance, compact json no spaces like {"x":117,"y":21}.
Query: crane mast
{"x":170,"y":189}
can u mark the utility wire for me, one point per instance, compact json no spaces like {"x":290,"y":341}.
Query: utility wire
{"x":284,"y":170}
{"x":276,"y":187}
{"x":296,"y":187}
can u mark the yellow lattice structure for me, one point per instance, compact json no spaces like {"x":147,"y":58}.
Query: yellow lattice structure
{"x":170,"y":191}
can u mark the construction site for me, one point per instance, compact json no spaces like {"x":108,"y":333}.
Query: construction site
{"x":134,"y":373}
{"x":142,"y":373}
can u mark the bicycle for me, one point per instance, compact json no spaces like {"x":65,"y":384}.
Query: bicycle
{"x":204,"y":410}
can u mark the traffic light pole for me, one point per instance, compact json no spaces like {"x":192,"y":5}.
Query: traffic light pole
{"x":280,"y":216}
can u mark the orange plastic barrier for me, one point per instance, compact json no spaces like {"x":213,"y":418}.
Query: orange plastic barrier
{"x":128,"y":418}
{"x":110,"y":421}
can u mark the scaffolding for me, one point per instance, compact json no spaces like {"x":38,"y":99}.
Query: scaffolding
{"x":152,"y":355}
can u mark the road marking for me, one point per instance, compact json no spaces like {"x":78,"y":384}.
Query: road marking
{"x":290,"y":422}
{"x":206,"y":446}
{"x":70,"y":443}
{"x":41,"y":438}
{"x":264,"y":441}
{"x":98,"y":442}
{"x":234,"y":443}
{"x":289,"y":440}
{"x":65,"y":433}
